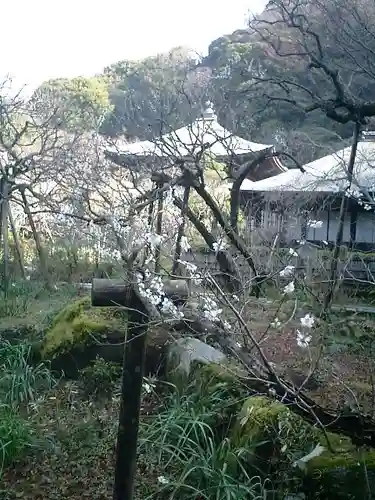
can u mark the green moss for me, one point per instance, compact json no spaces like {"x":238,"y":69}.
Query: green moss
{"x":262,"y":419}
{"x":274,"y":435}
{"x":80,"y":324}
{"x":346,"y":473}
{"x":225,"y":376}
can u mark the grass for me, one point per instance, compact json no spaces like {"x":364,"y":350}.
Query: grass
{"x":57,"y":440}
{"x":193,"y":454}
{"x":20,"y":383}
{"x":181,"y":454}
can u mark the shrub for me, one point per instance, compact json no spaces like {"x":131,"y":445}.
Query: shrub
{"x":99,"y":377}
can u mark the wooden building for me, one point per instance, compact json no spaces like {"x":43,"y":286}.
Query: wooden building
{"x":188,"y":141}
{"x":288,"y":203}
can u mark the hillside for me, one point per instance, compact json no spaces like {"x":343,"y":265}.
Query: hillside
{"x":142,"y":99}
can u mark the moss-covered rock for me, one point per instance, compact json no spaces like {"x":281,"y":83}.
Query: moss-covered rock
{"x":346,"y":473}
{"x":275,"y":435}
{"x":81,"y":333}
{"x":278,"y":438}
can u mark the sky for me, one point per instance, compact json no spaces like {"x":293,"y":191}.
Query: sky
{"x":44,"y":39}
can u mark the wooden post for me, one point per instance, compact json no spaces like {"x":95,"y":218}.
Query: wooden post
{"x":107,"y":292}
{"x":114,"y":292}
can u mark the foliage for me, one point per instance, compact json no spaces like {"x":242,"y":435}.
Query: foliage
{"x":75,"y":104}
{"x":15,"y":436}
{"x":187,"y":441}
{"x":155,"y":95}
{"x":21,"y":381}
{"x":99,"y":377}
{"x":348,"y":473}
{"x":77,"y":323}
{"x":236,"y":61}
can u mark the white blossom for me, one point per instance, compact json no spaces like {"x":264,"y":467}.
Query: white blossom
{"x":226,"y":325}
{"x":235,"y":298}
{"x":293,"y":253}
{"x":315,"y":224}
{"x":303,"y":339}
{"x":154,"y":239}
{"x":276,"y":323}
{"x":185,"y":246}
{"x":211,"y":311}
{"x":163,"y":480}
{"x":189,"y":265}
{"x":168,"y":307}
{"x":287,"y":271}
{"x":217,"y":246}
{"x":289,"y":288}
{"x":150,"y":259}
{"x":192,"y":268}
{"x":308,"y":321}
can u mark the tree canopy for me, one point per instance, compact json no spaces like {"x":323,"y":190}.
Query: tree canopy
{"x":273,"y":82}
{"x":75,"y":104}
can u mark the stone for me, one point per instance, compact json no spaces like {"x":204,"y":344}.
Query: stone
{"x":186,"y":351}
{"x":80,"y":333}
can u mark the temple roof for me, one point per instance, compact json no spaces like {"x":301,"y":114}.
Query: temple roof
{"x":327,"y":174}
{"x":189,"y":140}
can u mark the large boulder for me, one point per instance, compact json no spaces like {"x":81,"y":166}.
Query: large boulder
{"x":346,"y":473}
{"x":283,"y":445}
{"x":188,"y":351}
{"x":80,"y":333}
{"x":276,"y":436}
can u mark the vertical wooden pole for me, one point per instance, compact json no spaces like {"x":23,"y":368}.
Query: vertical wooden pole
{"x":132,"y":378}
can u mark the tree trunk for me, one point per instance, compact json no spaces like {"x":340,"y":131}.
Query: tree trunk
{"x":17,"y":244}
{"x":5,"y":235}
{"x":181,"y":231}
{"x":38,"y":243}
{"x":159,"y":222}
{"x":227,"y":266}
{"x":340,"y":230}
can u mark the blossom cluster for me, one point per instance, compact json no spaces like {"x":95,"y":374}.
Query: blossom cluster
{"x":153,"y":291}
{"x":211,"y":310}
{"x":192,"y":269}
{"x":304,"y":335}
{"x":360,"y":199}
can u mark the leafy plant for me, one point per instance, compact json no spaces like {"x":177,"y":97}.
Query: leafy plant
{"x":99,"y":377}
{"x":19,"y":380}
{"x":197,"y":462}
{"x":15,"y":435}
